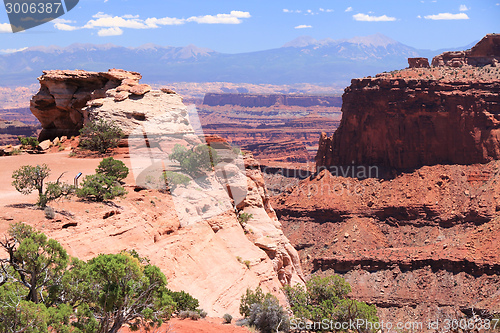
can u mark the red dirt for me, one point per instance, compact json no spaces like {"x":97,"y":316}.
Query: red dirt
{"x":207,"y":325}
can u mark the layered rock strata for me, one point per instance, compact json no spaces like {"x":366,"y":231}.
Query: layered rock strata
{"x":190,"y":229}
{"x":419,"y":116}
{"x":422,"y":246}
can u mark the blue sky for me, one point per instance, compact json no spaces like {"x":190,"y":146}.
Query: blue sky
{"x":234,"y":26}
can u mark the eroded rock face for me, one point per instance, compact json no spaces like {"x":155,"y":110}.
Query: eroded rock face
{"x":422,"y":245}
{"x":64,"y":93}
{"x":420,"y":116}
{"x":486,"y":52}
{"x":264,"y":229}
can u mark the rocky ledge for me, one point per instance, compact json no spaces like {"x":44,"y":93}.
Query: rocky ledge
{"x":60,"y":103}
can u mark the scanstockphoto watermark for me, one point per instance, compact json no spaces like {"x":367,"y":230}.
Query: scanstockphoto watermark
{"x":363,"y":325}
{"x":332,"y":325}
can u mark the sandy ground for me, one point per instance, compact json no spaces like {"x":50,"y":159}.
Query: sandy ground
{"x":207,"y":325}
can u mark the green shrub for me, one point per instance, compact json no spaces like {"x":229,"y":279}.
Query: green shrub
{"x":28,"y":178}
{"x":194,"y":315}
{"x":243,"y":218}
{"x":174,"y":179}
{"x":203,"y":314}
{"x":326,"y":298}
{"x":195,"y":161}
{"x":112,"y":168}
{"x":49,"y":213}
{"x":250,"y":298}
{"x":227,"y":318}
{"x":28,"y":141}
{"x":99,"y":187}
{"x":183,"y":314}
{"x":184,"y":301}
{"x":269,"y":316}
{"x":100,"y":135}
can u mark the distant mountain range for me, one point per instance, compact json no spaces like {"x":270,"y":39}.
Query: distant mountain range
{"x":303,"y":60}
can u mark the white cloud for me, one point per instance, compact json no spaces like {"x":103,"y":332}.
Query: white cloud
{"x":369,"y":18}
{"x":418,"y":16}
{"x":65,"y":27}
{"x":13,"y":50}
{"x":303,"y":26}
{"x":233,"y":18}
{"x":5,"y":27}
{"x":112,"y":25}
{"x":348,"y":9}
{"x":463,"y":8}
{"x":298,"y":11}
{"x":447,"y":16}
{"x":153,"y":22}
{"x":116,"y":22}
{"x":113,"y":31}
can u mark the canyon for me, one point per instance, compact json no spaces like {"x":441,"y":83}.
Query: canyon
{"x":405,"y":202}
{"x":402,"y":201}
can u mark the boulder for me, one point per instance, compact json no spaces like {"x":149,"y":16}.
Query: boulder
{"x":44,"y":145}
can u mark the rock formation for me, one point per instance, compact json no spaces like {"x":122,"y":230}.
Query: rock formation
{"x":190,"y":230}
{"x":261,"y":100}
{"x":418,"y":62}
{"x":485,"y":52}
{"x":420,"y":116}
{"x":64,"y":93}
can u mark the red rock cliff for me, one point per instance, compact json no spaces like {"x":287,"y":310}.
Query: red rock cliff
{"x":419,"y":116}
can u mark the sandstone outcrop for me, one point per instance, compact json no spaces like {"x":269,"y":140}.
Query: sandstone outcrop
{"x":261,"y":100}
{"x":418,"y":116}
{"x":418,"y":62}
{"x":64,"y":93}
{"x":485,"y":52}
{"x":190,"y":228}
